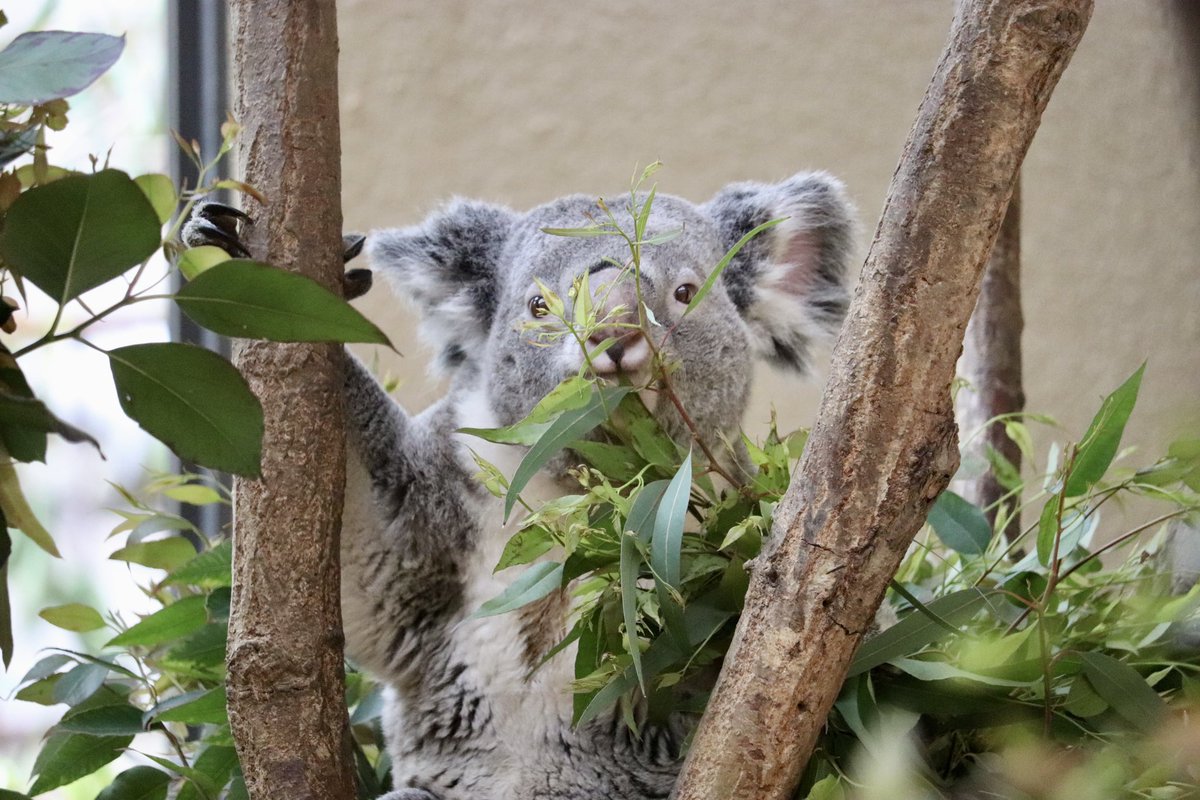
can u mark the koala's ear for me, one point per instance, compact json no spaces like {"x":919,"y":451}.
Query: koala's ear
{"x":448,"y":265}
{"x":789,"y":281}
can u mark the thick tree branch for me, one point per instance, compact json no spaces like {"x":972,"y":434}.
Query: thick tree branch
{"x":286,"y":694}
{"x":991,"y":363}
{"x":884,"y":443}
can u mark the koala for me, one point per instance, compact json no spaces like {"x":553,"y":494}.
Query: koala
{"x":467,"y":717}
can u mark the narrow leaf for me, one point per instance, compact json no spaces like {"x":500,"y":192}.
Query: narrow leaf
{"x":193,"y":401}
{"x":916,"y":630}
{"x":644,"y":509}
{"x":1048,"y":531}
{"x":631,"y":562}
{"x":256,"y":301}
{"x":667,"y":539}
{"x":17,"y":512}
{"x":165,"y":554}
{"x":1103,"y":437}
{"x":706,"y":287}
{"x":535,"y":583}
{"x":571,"y":425}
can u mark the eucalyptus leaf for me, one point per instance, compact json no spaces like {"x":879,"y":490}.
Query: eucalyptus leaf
{"x":667,"y":539}
{"x":193,"y":401}
{"x":80,"y":683}
{"x":1123,"y":688}
{"x":169,"y":553}
{"x":210,"y":569}
{"x":73,"y":617}
{"x":257,"y":301}
{"x":630,"y":566}
{"x":916,"y":631}
{"x":81,"y":231}
{"x":217,"y":763}
{"x":960,"y":524}
{"x":1103,"y":437}
{"x":66,"y":757}
{"x":114,"y":720}
{"x":181,"y":618}
{"x":535,"y":583}
{"x":195,"y":708}
{"x":570,"y":425}
{"x":719,"y":269}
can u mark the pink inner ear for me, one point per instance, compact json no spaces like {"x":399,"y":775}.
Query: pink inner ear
{"x":794,"y":262}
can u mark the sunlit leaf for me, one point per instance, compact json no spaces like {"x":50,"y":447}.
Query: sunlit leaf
{"x":257,"y":301}
{"x":160,"y":191}
{"x":40,"y":66}
{"x":195,"y":260}
{"x":79,"y":232}
{"x":73,"y":617}
{"x":169,"y":553}
{"x":193,"y":401}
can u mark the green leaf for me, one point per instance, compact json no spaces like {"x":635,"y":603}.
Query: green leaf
{"x":79,"y":683}
{"x":535,"y":583}
{"x":16,"y":510}
{"x":217,"y":604}
{"x":571,"y":425}
{"x":1083,"y":700}
{"x":193,"y":401}
{"x":644,"y":509}
{"x":182,"y":617}
{"x":571,"y":394}
{"x":255,"y":301}
{"x":203,"y":651}
{"x":917,"y":630}
{"x":828,"y":788}
{"x":1048,"y":531}
{"x":194,"y":708}
{"x":1123,"y":688}
{"x":195,"y":494}
{"x":960,"y":524}
{"x":115,"y":720}
{"x":524,"y":546}
{"x":369,"y":709}
{"x":706,"y":287}
{"x":67,"y":757}
{"x":137,"y":783}
{"x":1099,"y":445}
{"x":217,"y":763}
{"x":41,"y":66}
{"x":25,"y":421}
{"x":630,"y":566}
{"x":40,"y":692}
{"x":160,"y":191}
{"x":73,"y":617}
{"x":667,"y":539}
{"x":940,"y":671}
{"x":6,"y":635}
{"x":79,"y":232}
{"x":195,"y":260}
{"x":208,"y":570}
{"x":8,"y":794}
{"x":167,"y":554}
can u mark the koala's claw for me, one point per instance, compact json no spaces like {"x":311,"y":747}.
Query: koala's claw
{"x":216,"y":224}
{"x":352,"y":245}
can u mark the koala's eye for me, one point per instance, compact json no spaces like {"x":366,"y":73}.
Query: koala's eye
{"x":537,"y":306}
{"x":684,"y":292}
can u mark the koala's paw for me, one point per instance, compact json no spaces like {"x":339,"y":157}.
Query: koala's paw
{"x":219,"y":225}
{"x":409,"y":794}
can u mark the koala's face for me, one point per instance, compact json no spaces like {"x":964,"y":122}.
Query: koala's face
{"x":475,"y":269}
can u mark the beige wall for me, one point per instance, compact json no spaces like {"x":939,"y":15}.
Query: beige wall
{"x":518,"y":101}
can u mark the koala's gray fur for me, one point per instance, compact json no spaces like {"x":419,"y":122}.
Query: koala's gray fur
{"x":464,"y":720}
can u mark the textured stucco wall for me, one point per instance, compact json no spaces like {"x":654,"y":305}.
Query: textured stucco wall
{"x":518,"y":101}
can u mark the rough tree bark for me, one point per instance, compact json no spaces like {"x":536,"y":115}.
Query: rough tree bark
{"x":285,"y":684}
{"x":991,"y":362}
{"x":884,"y":443}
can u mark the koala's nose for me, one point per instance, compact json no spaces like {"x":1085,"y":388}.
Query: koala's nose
{"x":615,"y":302}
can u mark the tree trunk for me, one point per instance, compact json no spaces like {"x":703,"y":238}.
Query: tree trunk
{"x":884,"y":443}
{"x":991,"y":362}
{"x":286,"y":684}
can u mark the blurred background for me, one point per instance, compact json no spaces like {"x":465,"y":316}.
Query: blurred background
{"x":519,"y":101}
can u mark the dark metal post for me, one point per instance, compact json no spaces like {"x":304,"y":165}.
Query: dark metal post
{"x":198,"y":102}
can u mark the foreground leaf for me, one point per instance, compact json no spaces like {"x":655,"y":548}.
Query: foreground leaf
{"x":917,"y":630}
{"x":137,"y":783}
{"x":195,"y":708}
{"x":115,"y":720}
{"x":66,"y":757}
{"x":41,"y":66}
{"x":193,"y":401}
{"x":167,"y":554}
{"x":182,"y":617}
{"x":667,"y":539}
{"x":535,"y":583}
{"x":960,"y":524}
{"x":79,"y":232}
{"x":255,"y":301}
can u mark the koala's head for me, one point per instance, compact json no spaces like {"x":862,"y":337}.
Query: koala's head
{"x":474,"y":268}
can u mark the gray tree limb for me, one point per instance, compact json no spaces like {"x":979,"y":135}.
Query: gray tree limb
{"x":285,"y":684}
{"x":884,"y":443}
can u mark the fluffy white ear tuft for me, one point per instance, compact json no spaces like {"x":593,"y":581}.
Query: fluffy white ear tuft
{"x":449,"y":266}
{"x":789,"y":281}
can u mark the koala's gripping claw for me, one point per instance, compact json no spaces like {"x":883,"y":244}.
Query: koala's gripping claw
{"x":218,"y":225}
